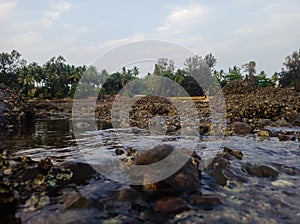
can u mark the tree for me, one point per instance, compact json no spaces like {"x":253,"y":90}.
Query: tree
{"x":290,"y":74}
{"x":262,"y":80}
{"x":30,"y":78}
{"x":10,"y":63}
{"x":250,"y":69}
{"x":219,"y":75}
{"x":233,"y":74}
{"x":165,"y":68}
{"x":210,"y":60}
{"x":275,"y":79}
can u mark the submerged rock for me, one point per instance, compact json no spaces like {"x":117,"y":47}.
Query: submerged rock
{"x":185,"y":179}
{"x":170,"y":205}
{"x":205,"y":200}
{"x":260,"y":170}
{"x":220,"y":167}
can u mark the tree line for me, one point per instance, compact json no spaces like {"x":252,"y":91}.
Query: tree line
{"x":56,"y":79}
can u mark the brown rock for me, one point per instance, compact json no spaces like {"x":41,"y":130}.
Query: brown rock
{"x":241,"y":128}
{"x":185,"y":179}
{"x":260,"y":170}
{"x":170,"y":205}
{"x":206,"y":200}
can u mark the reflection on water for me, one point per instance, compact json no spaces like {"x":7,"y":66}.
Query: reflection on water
{"x":52,"y":133}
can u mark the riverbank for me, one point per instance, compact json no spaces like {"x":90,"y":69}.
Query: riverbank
{"x":244,"y":110}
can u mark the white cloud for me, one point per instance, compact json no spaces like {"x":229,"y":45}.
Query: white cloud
{"x":82,"y":29}
{"x":5,"y":8}
{"x":182,"y":18}
{"x":58,"y":9}
{"x":117,"y":42}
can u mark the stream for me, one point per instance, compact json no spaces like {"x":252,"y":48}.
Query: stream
{"x":245,"y":198}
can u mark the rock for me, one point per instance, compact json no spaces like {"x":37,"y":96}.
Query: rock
{"x":260,"y":170}
{"x":216,"y":170}
{"x":14,"y":110}
{"x":126,"y":195}
{"x":72,"y":199}
{"x":205,"y":200}
{"x":36,"y":201}
{"x":241,"y":128}
{"x":282,"y":123}
{"x":8,"y":198}
{"x":45,"y":164}
{"x":264,"y":122}
{"x":239,"y":87}
{"x":284,"y":137}
{"x":230,"y":153}
{"x":261,"y":103}
{"x":82,"y":172}
{"x":185,"y":179}
{"x":119,"y":151}
{"x":170,"y":205}
{"x":293,"y":119}
{"x":282,"y":183}
{"x":263,"y":134}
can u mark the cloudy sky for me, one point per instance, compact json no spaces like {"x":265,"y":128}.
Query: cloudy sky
{"x":234,"y":31}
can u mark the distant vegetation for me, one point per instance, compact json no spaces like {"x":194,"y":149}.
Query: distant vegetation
{"x":56,"y":79}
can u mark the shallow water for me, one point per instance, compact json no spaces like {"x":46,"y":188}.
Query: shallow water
{"x":246,"y":198}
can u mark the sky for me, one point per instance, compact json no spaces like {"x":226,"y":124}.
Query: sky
{"x":234,"y":31}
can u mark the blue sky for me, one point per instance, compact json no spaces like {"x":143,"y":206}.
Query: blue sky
{"x":234,"y":31}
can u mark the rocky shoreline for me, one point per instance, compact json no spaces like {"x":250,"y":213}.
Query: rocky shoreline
{"x":38,"y":185}
{"x":247,"y":112}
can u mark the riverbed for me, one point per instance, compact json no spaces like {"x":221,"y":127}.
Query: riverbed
{"x":245,"y":197}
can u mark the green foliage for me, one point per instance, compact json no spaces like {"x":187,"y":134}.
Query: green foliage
{"x":234,"y":73}
{"x":262,"y":80}
{"x":10,"y":63}
{"x":290,"y":74}
{"x":57,"y":79}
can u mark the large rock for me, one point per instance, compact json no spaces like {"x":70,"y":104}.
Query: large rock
{"x":185,"y":179}
{"x":14,"y":111}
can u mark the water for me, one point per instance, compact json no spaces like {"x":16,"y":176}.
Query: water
{"x":245,"y":198}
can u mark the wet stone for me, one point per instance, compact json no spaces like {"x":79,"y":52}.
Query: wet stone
{"x":126,"y":194}
{"x":241,"y":128}
{"x":81,"y":172}
{"x":282,"y":183}
{"x":170,"y":205}
{"x":72,"y":199}
{"x":205,"y":200}
{"x":119,"y":151}
{"x":185,"y":179}
{"x":230,"y":153}
{"x":260,"y":170}
{"x":284,"y":137}
{"x":45,"y":164}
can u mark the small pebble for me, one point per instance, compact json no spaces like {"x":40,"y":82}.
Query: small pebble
{"x":119,"y":152}
{"x":282,"y":183}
